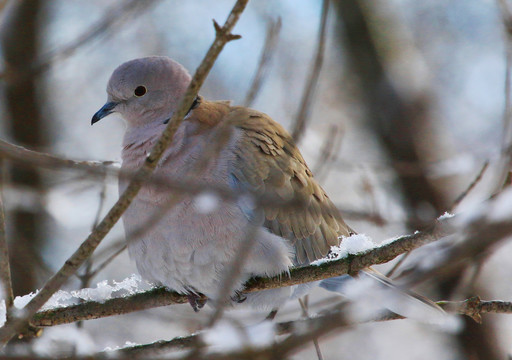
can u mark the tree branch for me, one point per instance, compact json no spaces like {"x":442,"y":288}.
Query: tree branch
{"x":307,"y":97}
{"x":162,"y":297}
{"x":5,"y":269}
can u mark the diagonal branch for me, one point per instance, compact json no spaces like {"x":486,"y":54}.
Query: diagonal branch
{"x":223,"y":35}
{"x":273,"y":30}
{"x":311,"y":85}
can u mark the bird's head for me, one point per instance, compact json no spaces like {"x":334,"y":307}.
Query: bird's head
{"x":145,"y":90}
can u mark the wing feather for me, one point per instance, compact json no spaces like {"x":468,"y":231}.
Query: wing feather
{"x":268,"y":162}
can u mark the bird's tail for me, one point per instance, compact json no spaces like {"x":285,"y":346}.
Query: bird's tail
{"x":372,"y":293}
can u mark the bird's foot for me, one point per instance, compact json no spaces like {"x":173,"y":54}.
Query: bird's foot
{"x":196,"y":301}
{"x":271,"y":315}
{"x":238,"y":297}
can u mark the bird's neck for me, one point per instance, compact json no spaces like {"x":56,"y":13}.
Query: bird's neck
{"x":138,"y":142}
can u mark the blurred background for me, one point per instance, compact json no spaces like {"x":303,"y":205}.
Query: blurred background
{"x":444,"y":63}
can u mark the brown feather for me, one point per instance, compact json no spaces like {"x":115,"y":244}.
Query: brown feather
{"x":267,"y":161}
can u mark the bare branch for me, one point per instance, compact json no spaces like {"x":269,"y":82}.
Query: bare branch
{"x":329,"y":152}
{"x":309,"y":91}
{"x":471,"y":186}
{"x":506,"y":141}
{"x":273,"y":30}
{"x":162,"y":297}
{"x":395,"y":117}
{"x":223,"y":35}
{"x":5,"y":269}
{"x":113,"y":17}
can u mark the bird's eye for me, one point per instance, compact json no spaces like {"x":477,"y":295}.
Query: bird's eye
{"x":140,"y":91}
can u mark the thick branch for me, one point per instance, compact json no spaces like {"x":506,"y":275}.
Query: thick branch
{"x":162,"y":297}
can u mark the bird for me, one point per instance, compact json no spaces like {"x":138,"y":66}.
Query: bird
{"x":189,"y":249}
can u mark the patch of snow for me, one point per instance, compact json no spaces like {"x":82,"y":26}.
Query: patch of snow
{"x":229,"y":336}
{"x":102,"y":292}
{"x":115,"y":348}
{"x":21,"y":301}
{"x":445,"y":216}
{"x":3,"y":312}
{"x":349,"y":245}
{"x":206,"y":202}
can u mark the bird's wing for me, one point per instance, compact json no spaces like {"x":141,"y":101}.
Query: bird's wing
{"x":268,"y":162}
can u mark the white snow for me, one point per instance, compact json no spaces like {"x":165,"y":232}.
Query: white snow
{"x":3,"y":312}
{"x":115,"y":348}
{"x":21,"y":301}
{"x":102,"y":292}
{"x":349,"y":245}
{"x":445,"y":216}
{"x":228,"y":335}
{"x":206,"y":202}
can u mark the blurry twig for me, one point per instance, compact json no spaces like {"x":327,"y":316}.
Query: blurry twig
{"x":471,"y":186}
{"x":222,"y":37}
{"x":372,"y":217}
{"x":5,"y":269}
{"x":107,"y":261}
{"x":398,"y":263}
{"x":506,"y":141}
{"x":472,"y":307}
{"x":395,"y":117}
{"x":305,"y":314}
{"x":309,"y":90}
{"x":329,"y":152}
{"x":40,"y":159}
{"x":87,"y":276}
{"x":113,"y":17}
{"x":271,"y":39}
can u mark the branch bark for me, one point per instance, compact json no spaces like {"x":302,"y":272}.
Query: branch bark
{"x":162,"y":297}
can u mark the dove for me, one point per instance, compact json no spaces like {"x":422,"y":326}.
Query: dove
{"x":189,"y":249}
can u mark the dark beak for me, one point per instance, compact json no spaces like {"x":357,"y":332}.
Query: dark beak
{"x":107,"y":109}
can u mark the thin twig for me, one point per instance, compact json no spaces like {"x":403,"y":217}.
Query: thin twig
{"x":472,"y":307}
{"x":506,"y":141}
{"x":471,"y":186}
{"x":329,"y":153}
{"x":311,"y":85}
{"x":232,"y":272}
{"x":398,"y":263}
{"x":5,"y":269}
{"x":113,"y":17}
{"x":271,"y":39}
{"x":223,"y":35}
{"x":305,"y":313}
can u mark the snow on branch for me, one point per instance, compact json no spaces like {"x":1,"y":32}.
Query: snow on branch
{"x":156,"y":297}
